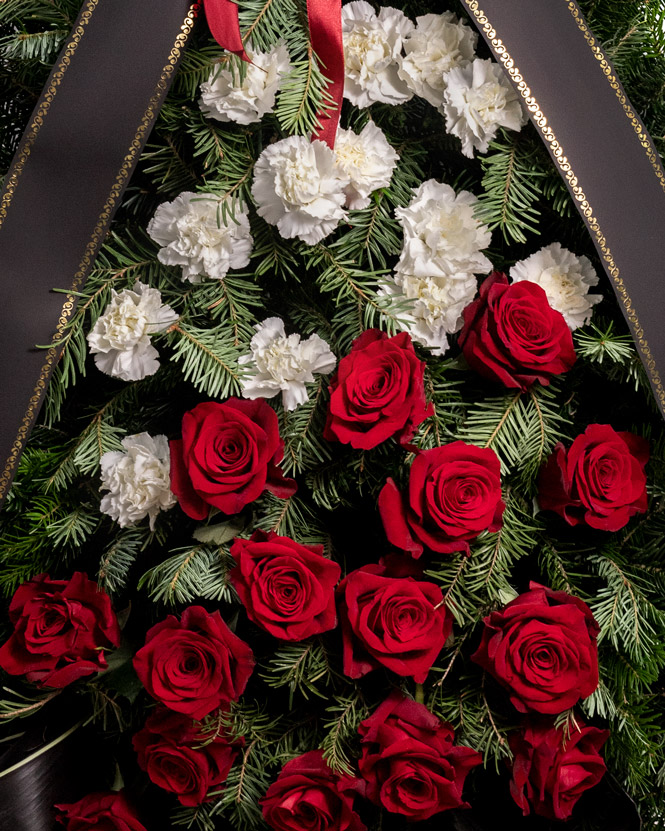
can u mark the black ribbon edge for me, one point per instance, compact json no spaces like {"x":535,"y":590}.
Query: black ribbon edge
{"x":12,"y":180}
{"x":555,"y":149}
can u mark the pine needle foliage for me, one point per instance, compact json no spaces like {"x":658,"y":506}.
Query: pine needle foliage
{"x":299,"y":698}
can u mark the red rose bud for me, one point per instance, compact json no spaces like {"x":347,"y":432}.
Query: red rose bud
{"x":180,"y":758}
{"x":228,"y":455}
{"x":409,"y":761}
{"x":511,"y":334}
{"x":194,"y":665}
{"x":288,"y":589}
{"x":108,"y":811}
{"x":454,"y":493}
{"x":551,"y":771}
{"x":396,"y":622}
{"x":378,"y":392}
{"x":61,"y":628}
{"x":599,"y":480}
{"x":309,"y":795}
{"x":542,"y":648}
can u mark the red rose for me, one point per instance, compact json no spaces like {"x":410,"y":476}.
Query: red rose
{"x":180,"y":758}
{"x":409,"y":761}
{"x":194,"y":665}
{"x":227,"y":457}
{"x":396,"y":622}
{"x":454,"y":494}
{"x":600,"y":480}
{"x":100,"y":812}
{"x":551,"y":771}
{"x":542,"y":648}
{"x":61,"y":628}
{"x":308,"y":796}
{"x":378,"y":392}
{"x":288,"y":589}
{"x":511,"y":334}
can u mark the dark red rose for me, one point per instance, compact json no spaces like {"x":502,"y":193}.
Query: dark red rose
{"x":454,"y":493}
{"x":542,"y":648}
{"x":378,"y":392}
{"x":179,"y":757}
{"x":194,"y":665}
{"x":599,"y":480}
{"x":396,"y":622}
{"x":61,"y":629}
{"x":409,"y":762}
{"x":511,"y":334}
{"x":309,"y":796}
{"x":227,"y":457}
{"x":551,"y":771}
{"x":106,"y":811}
{"x":286,"y":588}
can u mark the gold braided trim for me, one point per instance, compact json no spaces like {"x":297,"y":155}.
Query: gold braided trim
{"x":642,"y":135}
{"x":44,"y":105}
{"x":567,"y":172}
{"x":98,"y":232}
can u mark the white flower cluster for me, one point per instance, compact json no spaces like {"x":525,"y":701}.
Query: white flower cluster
{"x":373,"y":47}
{"x":120,"y":339}
{"x":245,"y":93}
{"x":284,"y":363}
{"x":441,"y":254}
{"x":389,"y":59}
{"x":303,"y":187}
{"x":566,"y":280}
{"x":367,"y":159}
{"x":199,"y":236}
{"x":479,"y":99}
{"x":137,"y":480}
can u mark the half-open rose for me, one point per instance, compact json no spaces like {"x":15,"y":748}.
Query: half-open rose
{"x":542,"y":648}
{"x":396,"y":622}
{"x":551,"y":770}
{"x":511,"y":334}
{"x":454,"y":493}
{"x":287,"y":588}
{"x":194,"y":665}
{"x":61,"y":629}
{"x":378,"y":392}
{"x":409,"y":761}
{"x":599,"y":480}
{"x":228,"y":455}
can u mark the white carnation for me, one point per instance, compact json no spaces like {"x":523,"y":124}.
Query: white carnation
{"x":442,"y":236}
{"x":120,"y":339}
{"x":439,"y":43}
{"x":196,"y":234}
{"x":372,"y":54}
{"x":478,"y":99}
{"x":299,"y":187}
{"x":367,"y":159}
{"x":436,"y":308}
{"x":284,"y":364}
{"x":566,"y":280}
{"x":137,"y":480}
{"x":228,"y":96}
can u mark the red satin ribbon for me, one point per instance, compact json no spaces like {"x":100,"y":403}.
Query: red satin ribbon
{"x":222,"y":16}
{"x":325,"y":29}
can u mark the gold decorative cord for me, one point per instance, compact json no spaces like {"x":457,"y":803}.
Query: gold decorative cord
{"x":100,"y":228}
{"x":566,"y":169}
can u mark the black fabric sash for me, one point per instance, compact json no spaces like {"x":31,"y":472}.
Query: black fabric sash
{"x":600,"y":147}
{"x":65,"y":182}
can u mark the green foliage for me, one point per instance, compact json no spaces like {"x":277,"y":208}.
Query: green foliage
{"x":521,"y":428}
{"x":189,"y":573}
{"x":335,"y":288}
